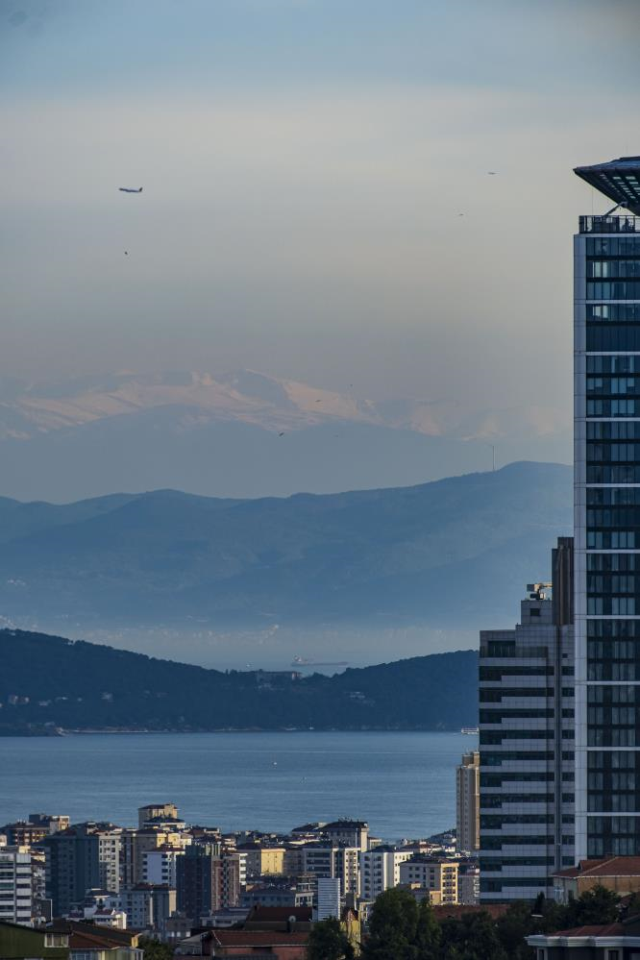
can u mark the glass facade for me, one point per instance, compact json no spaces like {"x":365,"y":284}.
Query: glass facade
{"x":607,"y":536}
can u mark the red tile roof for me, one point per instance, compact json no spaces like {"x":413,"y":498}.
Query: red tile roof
{"x":608,"y":930}
{"x":607,"y":867}
{"x":89,"y":941}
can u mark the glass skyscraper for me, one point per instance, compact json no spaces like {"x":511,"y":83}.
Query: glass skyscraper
{"x":607,"y":516}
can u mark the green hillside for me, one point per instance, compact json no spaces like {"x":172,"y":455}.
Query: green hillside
{"x":47,"y":683}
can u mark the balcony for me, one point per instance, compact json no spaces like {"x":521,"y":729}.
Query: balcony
{"x":610,"y":224}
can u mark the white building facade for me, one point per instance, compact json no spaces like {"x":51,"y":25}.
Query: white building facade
{"x":16,"y":903}
{"x":380,"y":870}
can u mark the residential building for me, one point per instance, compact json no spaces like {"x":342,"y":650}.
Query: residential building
{"x":135,"y":843}
{"x":342,"y":863}
{"x":102,"y":915}
{"x":279,"y":918}
{"x":301,"y":894}
{"x":621,"y":874}
{"x":196,"y":880}
{"x":438,"y":875}
{"x":278,"y":945}
{"x":612,"y":941}
{"x":329,"y":898}
{"x":18,"y":941}
{"x":468,"y":882}
{"x":527,"y":742}
{"x":208,"y":879}
{"x":15,"y":885}
{"x":230,"y":877}
{"x":380,"y":870}
{"x":52,"y":823}
{"x":109,"y":839}
{"x":468,"y":803}
{"x":156,"y":811}
{"x":88,"y":942}
{"x":159,"y":866}
{"x":24,"y":834}
{"x":263,"y":861}
{"x":72,"y":867}
{"x":147,"y":906}
{"x":348,"y":833}
{"x":226,"y":918}
{"x":607,"y":515}
{"x":293,"y":861}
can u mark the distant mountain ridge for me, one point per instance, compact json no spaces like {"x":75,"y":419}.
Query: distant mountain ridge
{"x":247,"y":434}
{"x":80,"y":686}
{"x":453,"y":554}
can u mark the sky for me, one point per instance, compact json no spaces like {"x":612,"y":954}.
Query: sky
{"x":317,"y":201}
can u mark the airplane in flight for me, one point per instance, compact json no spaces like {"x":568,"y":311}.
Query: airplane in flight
{"x":130,"y":190}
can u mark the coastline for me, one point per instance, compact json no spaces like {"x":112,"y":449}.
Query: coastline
{"x":60,"y":732}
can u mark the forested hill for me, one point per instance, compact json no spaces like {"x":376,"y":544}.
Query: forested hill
{"x":49,"y":684}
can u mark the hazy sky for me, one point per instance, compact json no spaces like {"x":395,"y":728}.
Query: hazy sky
{"x":305,"y":164}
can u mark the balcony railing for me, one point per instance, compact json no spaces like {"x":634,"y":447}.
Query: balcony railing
{"x":600,"y":224}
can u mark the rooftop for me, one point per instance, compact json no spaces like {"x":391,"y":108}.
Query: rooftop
{"x":617,"y":179}
{"x":608,"y":867}
{"x":258,"y":938}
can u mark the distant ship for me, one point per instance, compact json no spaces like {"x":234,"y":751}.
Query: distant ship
{"x":472,"y":731}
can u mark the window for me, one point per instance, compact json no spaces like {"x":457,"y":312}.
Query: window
{"x":52,"y":940}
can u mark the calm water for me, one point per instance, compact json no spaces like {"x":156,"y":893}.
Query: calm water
{"x":402,"y":783}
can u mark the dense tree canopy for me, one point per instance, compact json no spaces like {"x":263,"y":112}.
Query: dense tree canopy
{"x":402,"y":929}
{"x":328,"y":941}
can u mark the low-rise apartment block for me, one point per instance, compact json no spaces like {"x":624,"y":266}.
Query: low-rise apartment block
{"x":437,"y":875}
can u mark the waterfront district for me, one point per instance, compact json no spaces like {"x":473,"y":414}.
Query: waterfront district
{"x":550,"y":803}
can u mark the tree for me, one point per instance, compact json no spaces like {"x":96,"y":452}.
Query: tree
{"x":393,"y":927}
{"x":516,"y":924}
{"x":632,"y":906}
{"x":427,"y":940}
{"x":154,"y":949}
{"x":473,"y":936}
{"x":328,"y":941}
{"x":596,"y":906}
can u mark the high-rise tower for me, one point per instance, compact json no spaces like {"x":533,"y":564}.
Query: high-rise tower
{"x":526,"y":742}
{"x":607,"y":515}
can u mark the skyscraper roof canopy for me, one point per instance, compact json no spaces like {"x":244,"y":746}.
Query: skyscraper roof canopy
{"x":618,"y":179}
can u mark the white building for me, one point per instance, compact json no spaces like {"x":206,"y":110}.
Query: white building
{"x":15,"y":885}
{"x":380,"y":870}
{"x":159,"y":866}
{"x":329,"y":900}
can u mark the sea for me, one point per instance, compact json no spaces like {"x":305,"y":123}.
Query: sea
{"x":402,"y":784}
